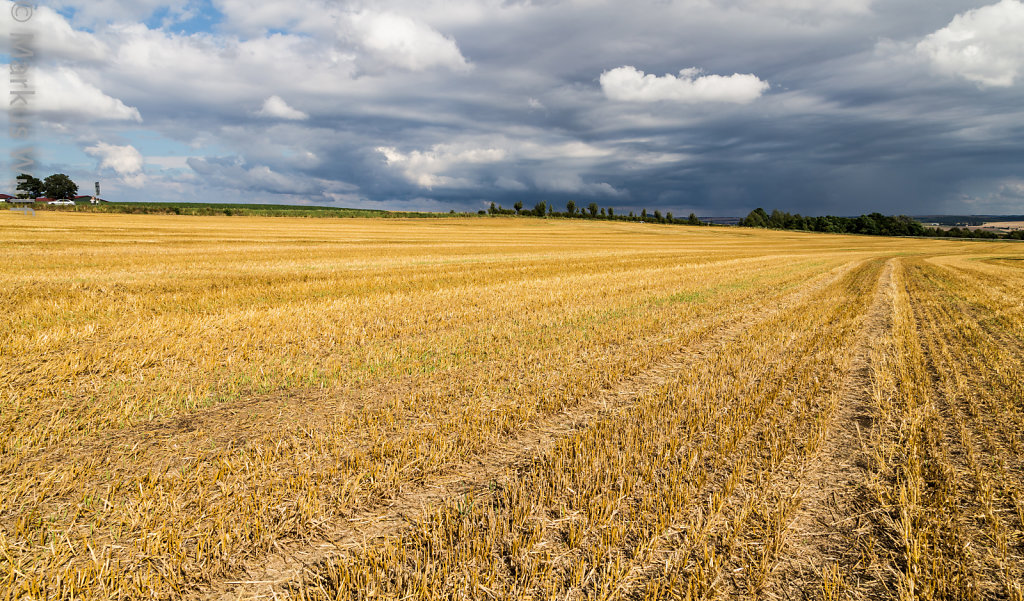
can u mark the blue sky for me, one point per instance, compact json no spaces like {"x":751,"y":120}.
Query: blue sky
{"x":716,"y":107}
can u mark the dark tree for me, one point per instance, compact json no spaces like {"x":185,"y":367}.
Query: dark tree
{"x":692,"y":219}
{"x":643,"y":214}
{"x":29,"y":187}
{"x":519,"y":207}
{"x":875,"y":224}
{"x":865,"y":224}
{"x":570,"y":208}
{"x":592,"y":207}
{"x":756,"y":218}
{"x":59,"y":186}
{"x":611,"y":212}
{"x":540,"y":209}
{"x":778,"y":220}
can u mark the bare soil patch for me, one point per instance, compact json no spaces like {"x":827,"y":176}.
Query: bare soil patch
{"x":829,"y":542}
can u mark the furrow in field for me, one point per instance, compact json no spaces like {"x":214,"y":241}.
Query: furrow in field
{"x":917,"y":489}
{"x":826,"y":547}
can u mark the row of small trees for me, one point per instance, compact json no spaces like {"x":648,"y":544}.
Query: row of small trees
{"x":874,"y":224}
{"x":592,"y":211}
{"x":57,"y":186}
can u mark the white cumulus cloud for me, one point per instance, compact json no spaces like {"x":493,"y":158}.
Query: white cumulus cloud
{"x":984,"y":45}
{"x":60,"y":92}
{"x":276,"y":108}
{"x":403,"y":42}
{"x":53,"y":36}
{"x":126,"y":161}
{"x":632,"y":85}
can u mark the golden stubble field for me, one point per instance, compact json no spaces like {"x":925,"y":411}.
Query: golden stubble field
{"x":221,"y":408}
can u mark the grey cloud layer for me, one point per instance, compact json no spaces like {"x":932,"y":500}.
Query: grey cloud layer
{"x":717,"y":107}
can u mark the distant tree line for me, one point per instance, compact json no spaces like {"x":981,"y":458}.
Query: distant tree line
{"x":592,"y":211}
{"x":874,"y":224}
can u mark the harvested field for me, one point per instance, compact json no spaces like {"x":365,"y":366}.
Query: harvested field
{"x":236,"y":407}
{"x":1005,"y":225}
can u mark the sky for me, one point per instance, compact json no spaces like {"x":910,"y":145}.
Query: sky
{"x":714,"y":107}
